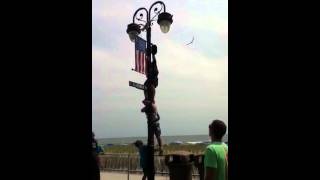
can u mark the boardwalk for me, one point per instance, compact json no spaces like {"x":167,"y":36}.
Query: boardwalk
{"x":123,"y":176}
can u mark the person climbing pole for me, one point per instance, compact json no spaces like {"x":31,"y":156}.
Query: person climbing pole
{"x":152,"y":75}
{"x":150,"y":107}
{"x":153,"y":121}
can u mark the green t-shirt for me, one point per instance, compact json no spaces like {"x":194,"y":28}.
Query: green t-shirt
{"x":215,"y":157}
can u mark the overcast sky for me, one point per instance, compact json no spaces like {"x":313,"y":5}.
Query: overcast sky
{"x":193,"y":79}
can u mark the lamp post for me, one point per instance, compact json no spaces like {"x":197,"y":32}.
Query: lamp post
{"x":164,"y":20}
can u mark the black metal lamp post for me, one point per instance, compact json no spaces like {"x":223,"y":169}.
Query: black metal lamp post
{"x":134,"y":29}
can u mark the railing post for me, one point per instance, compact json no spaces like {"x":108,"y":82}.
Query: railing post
{"x":199,"y":163}
{"x":128,"y":165}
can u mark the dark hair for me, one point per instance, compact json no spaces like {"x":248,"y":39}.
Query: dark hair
{"x":218,"y":129}
{"x":138,"y":142}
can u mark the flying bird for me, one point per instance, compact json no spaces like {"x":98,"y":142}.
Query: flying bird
{"x":191,"y":41}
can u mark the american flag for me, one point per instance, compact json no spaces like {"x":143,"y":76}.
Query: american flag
{"x":140,"y":54}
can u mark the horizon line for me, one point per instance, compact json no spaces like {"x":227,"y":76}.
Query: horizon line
{"x":161,"y":136}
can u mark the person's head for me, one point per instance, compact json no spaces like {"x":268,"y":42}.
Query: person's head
{"x":217,"y":129}
{"x":138,"y":143}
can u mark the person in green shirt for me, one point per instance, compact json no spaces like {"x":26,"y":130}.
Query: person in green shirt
{"x":216,"y":154}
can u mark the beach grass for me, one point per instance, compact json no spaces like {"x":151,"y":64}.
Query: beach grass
{"x":131,"y":149}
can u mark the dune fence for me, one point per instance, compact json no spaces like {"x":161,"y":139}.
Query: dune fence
{"x":129,"y":163}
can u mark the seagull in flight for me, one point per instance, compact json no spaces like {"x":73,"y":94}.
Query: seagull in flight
{"x":191,"y":41}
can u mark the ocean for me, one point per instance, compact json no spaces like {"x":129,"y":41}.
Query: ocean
{"x":166,"y":139}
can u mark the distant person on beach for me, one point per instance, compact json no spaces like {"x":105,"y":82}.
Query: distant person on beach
{"x":95,"y":159}
{"x":143,"y":149}
{"x":216,"y":154}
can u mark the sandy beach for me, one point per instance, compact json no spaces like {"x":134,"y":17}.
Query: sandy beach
{"x":123,"y":176}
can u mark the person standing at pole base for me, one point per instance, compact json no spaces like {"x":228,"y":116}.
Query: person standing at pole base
{"x":143,"y":157}
{"x":216,"y":154}
{"x":95,"y":159}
